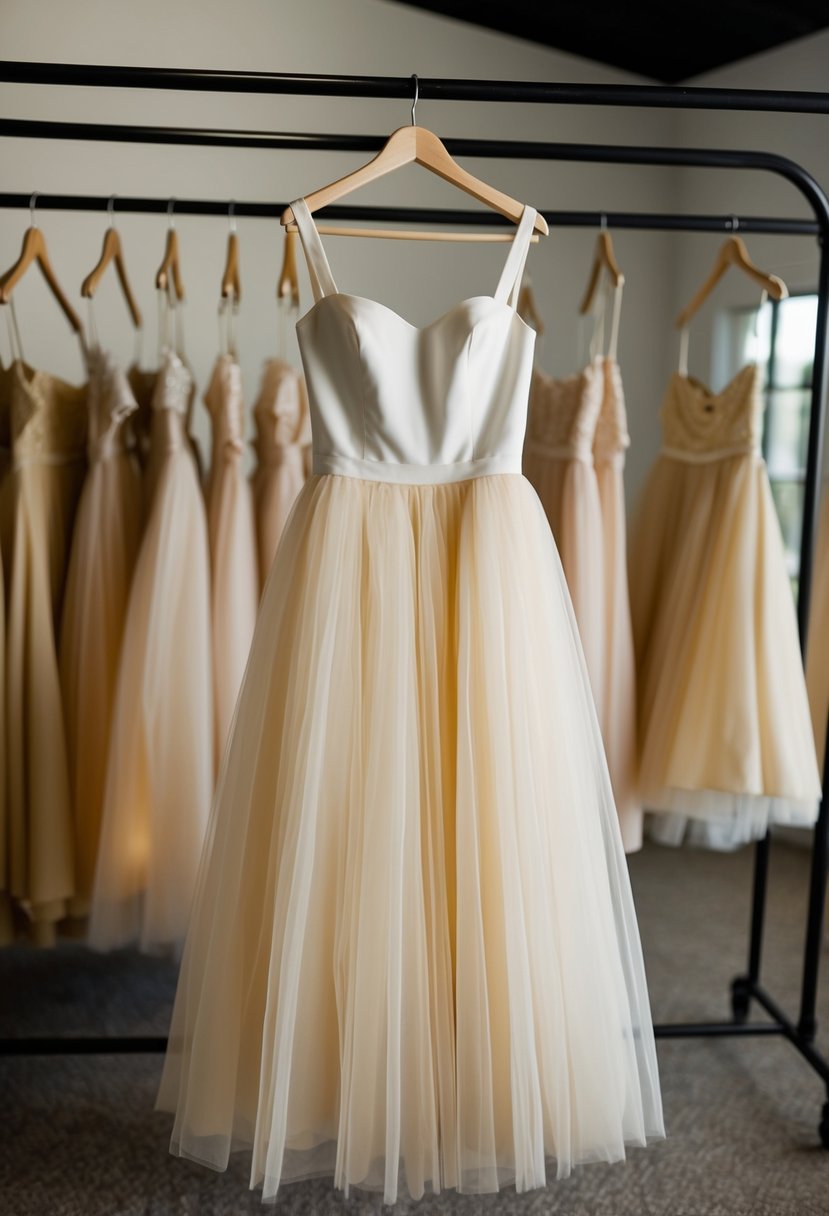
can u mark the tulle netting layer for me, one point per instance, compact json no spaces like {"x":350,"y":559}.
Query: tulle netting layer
{"x":413,"y":960}
{"x":726,"y":738}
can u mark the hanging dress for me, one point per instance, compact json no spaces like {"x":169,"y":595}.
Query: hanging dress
{"x":725,"y":735}
{"x":558,"y":461}
{"x":104,"y":550}
{"x":160,"y":766}
{"x":617,"y":713}
{"x":413,"y":961}
{"x":233,"y":563}
{"x":283,"y":433}
{"x":574,"y":455}
{"x":48,"y":428}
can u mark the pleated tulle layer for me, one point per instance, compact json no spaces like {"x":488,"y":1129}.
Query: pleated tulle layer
{"x":159,"y":775}
{"x":413,"y":961}
{"x":724,"y":725}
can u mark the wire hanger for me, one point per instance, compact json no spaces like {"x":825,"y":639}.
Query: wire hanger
{"x":34,"y":250}
{"x":231,"y":286}
{"x":604,"y":259}
{"x":168,"y":278}
{"x":406,"y":146}
{"x":112,"y":251}
{"x":732,"y":252}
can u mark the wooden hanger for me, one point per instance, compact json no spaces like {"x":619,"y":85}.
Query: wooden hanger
{"x":603,"y":259}
{"x":112,"y":251}
{"x":287,"y":287}
{"x":406,"y":146}
{"x":169,"y":272}
{"x":732,"y":253}
{"x":527,"y":307}
{"x":231,"y":285}
{"x":34,"y":251}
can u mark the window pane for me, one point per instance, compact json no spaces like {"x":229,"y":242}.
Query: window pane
{"x":750,"y":340}
{"x":786,"y":432}
{"x":794,"y":347}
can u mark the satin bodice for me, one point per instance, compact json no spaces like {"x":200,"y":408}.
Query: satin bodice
{"x":283,"y":425}
{"x":225,"y":403}
{"x":110,"y":403}
{"x":393,"y":402}
{"x":700,"y":425}
{"x":47,"y":418}
{"x":564,"y":413}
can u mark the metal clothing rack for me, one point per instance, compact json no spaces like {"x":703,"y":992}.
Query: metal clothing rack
{"x":800,"y":1031}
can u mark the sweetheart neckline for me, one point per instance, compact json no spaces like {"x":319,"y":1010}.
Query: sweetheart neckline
{"x":419,"y":329}
{"x":703,"y":388}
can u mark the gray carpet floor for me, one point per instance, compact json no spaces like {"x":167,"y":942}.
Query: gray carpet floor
{"x":79,"y":1137}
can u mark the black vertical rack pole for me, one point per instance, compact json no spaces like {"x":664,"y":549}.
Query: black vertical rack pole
{"x":800,"y":1033}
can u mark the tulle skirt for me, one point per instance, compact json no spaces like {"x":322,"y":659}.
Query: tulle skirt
{"x":234,"y":585}
{"x":104,"y":548}
{"x":413,"y":960}
{"x":569,"y":492}
{"x":724,"y":725}
{"x":617,"y":712}
{"x":41,"y":864}
{"x":160,"y":768}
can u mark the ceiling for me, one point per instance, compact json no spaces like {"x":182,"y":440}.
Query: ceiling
{"x":668,"y":43}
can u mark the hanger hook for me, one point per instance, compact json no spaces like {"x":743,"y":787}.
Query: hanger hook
{"x":603,"y":223}
{"x":416,"y":95}
{"x":32,"y":201}
{"x":111,"y":209}
{"x":231,"y":215}
{"x":735,"y":223}
{"x":171,"y":204}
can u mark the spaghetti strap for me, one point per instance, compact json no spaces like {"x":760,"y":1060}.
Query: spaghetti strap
{"x":511,"y":275}
{"x":322,"y":280}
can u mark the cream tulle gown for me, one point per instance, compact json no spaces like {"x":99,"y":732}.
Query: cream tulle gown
{"x":283,"y":433}
{"x":724,"y":723}
{"x":104,"y":549}
{"x":48,"y":427}
{"x":160,"y":767}
{"x":413,"y":961}
{"x":574,"y":457}
{"x":233,"y":564}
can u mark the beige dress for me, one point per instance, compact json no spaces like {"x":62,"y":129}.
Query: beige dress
{"x":725,"y":733}
{"x":160,"y":767}
{"x":234,"y":572}
{"x":617,"y":712}
{"x":104,"y":549}
{"x":48,"y":426}
{"x":558,"y":460}
{"x":283,"y":436}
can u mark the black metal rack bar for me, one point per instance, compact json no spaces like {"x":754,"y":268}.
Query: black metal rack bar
{"x":744,"y":988}
{"x":642,"y":220}
{"x":430,"y":88}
